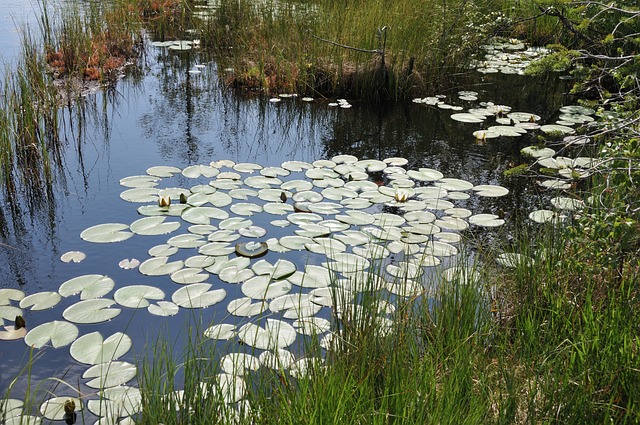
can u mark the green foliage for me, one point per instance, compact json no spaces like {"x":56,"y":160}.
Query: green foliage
{"x":560,"y":60}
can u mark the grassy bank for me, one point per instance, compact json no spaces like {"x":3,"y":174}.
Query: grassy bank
{"x":554,"y":338}
{"x":360,"y":49}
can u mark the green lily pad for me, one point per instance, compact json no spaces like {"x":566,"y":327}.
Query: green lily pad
{"x":73,"y":257}
{"x":110,"y":374}
{"x":8,"y":294}
{"x":276,"y":334}
{"x":163,"y":171}
{"x":93,"y":349}
{"x":106,"y":233}
{"x":245,"y":307}
{"x":158,"y":266}
{"x":195,"y":171}
{"x":40,"y":300}
{"x":53,"y":408}
{"x":153,"y":226}
{"x":58,"y":333}
{"x":91,"y":311}
{"x":223,"y":331}
{"x":88,"y":286}
{"x":163,"y":309}
{"x":252,"y":249}
{"x":197,"y":295}
{"x":261,"y":287}
{"x":137,"y":296}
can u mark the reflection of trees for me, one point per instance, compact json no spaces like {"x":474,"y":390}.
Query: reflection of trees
{"x":195,"y":120}
{"x":427,"y":137}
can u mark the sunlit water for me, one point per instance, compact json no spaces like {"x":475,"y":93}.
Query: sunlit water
{"x":172,"y":117}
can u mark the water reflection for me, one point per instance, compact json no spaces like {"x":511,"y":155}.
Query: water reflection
{"x":180,"y":118}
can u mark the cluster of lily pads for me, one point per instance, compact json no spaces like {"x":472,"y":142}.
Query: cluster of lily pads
{"x":352,"y":218}
{"x":515,"y":124}
{"x":342,"y":103}
{"x":508,"y":57}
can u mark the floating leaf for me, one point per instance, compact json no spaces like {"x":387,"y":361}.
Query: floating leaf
{"x":73,"y":256}
{"x":59,"y":333}
{"x":468,"y":118}
{"x":88,"y":286}
{"x":203,"y":215}
{"x":109,"y":374}
{"x":54,"y":408}
{"x":223,"y":331}
{"x":91,"y":311}
{"x":106,"y":233}
{"x":163,"y":308}
{"x":542,"y":216}
{"x":568,"y":204}
{"x":195,"y":171}
{"x":137,"y":296}
{"x":139,"y":181}
{"x":40,"y":300}
{"x":189,"y":275}
{"x":93,"y":349}
{"x":243,"y":307}
{"x":252,"y":249}
{"x":129,"y":264}
{"x":279,"y":359}
{"x":237,"y":364}
{"x":313,"y":277}
{"x":11,"y":333}
{"x":555,"y":128}
{"x":275,"y":334}
{"x":491,"y":191}
{"x":486,"y":220}
{"x":197,"y":295}
{"x":116,"y":402}
{"x":7,"y":295}
{"x":261,"y":287}
{"x":158,"y":266}
{"x":153,"y":226}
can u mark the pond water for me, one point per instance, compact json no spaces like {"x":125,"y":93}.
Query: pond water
{"x":172,"y":117}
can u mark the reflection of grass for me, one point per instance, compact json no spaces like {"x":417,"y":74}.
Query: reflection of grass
{"x":56,"y":63}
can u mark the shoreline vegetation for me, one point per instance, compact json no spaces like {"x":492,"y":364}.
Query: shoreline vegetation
{"x":551,"y":337}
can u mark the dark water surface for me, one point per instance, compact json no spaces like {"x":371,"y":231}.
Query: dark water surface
{"x":172,"y":117}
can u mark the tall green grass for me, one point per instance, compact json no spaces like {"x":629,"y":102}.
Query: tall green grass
{"x":373,"y":49}
{"x":70,"y":47}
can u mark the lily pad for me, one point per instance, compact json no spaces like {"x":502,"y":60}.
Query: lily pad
{"x":40,"y":301}
{"x":58,"y":333}
{"x":8,"y":294}
{"x":137,"y":296}
{"x":91,"y":311}
{"x":223,"y":331}
{"x":54,"y":408}
{"x":88,"y":286}
{"x":244,"y":307}
{"x":153,"y":226}
{"x":158,"y":266}
{"x":93,"y":349}
{"x":106,"y":233}
{"x":110,"y":374}
{"x":163,"y":309}
{"x":276,"y":334}
{"x":252,"y":249}
{"x":73,"y":257}
{"x":197,"y":295}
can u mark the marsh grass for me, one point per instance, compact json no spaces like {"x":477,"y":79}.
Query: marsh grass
{"x":73,"y":50}
{"x":371,"y":50}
